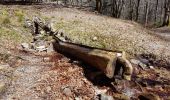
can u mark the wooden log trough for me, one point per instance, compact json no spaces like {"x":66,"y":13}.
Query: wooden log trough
{"x":107,"y":61}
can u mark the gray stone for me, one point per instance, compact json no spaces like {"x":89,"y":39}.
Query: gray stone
{"x":41,"y":48}
{"x":145,"y":61}
{"x":60,"y":33}
{"x":142,"y":65}
{"x":67,"y":91}
{"x":139,"y":63}
{"x":42,"y":32}
{"x":151,"y":67}
{"x":46,"y":59}
{"x":78,"y":98}
{"x":105,"y":97}
{"x":28,"y":23}
{"x":50,"y":48}
{"x":38,"y":37}
{"x":95,"y":38}
{"x":48,"y":89}
{"x":134,"y":61}
{"x":25,"y":45}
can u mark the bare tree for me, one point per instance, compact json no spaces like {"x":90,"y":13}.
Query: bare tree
{"x":166,"y":13}
{"x":117,"y":6}
{"x":99,"y":5}
{"x":137,"y":10}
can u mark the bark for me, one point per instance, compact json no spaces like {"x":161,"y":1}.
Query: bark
{"x":137,"y":10}
{"x":99,"y":6}
{"x":166,"y":13}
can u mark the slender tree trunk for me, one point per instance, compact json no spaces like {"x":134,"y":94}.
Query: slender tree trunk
{"x":147,"y":13}
{"x":156,"y":9}
{"x":99,"y":6}
{"x":166,"y":15}
{"x":137,"y":10}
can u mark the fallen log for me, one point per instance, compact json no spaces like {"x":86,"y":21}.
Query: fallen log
{"x":107,"y":61}
{"x":104,"y":60}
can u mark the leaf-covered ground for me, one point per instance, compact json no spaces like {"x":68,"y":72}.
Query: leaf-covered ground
{"x":42,"y":76}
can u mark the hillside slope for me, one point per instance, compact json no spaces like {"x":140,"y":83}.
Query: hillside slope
{"x":40,"y":75}
{"x":111,"y":33}
{"x":82,"y":27}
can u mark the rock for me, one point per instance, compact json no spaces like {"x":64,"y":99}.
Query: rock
{"x":142,"y":65}
{"x":139,"y":63}
{"x":95,"y":38}
{"x":151,"y":67}
{"x":38,"y":37}
{"x":4,"y":66}
{"x":2,"y":87}
{"x":50,"y":48}
{"x":148,"y":96}
{"x":63,"y":39}
{"x":119,"y":54}
{"x":42,"y":32}
{"x":46,"y":59}
{"x":100,"y":91}
{"x":78,"y":98}
{"x":28,"y":23}
{"x":134,"y":61}
{"x":145,"y":61}
{"x":48,"y":89}
{"x":41,"y":48}
{"x":67,"y":91}
{"x":75,"y":62}
{"x":25,"y":45}
{"x":60,"y":33}
{"x":105,"y":97}
{"x":118,"y":96}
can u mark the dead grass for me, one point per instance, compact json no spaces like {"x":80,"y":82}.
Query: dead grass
{"x":112,"y":34}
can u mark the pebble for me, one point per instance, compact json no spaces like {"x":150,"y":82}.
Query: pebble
{"x":46,"y":59}
{"x":25,"y":45}
{"x":41,"y":48}
{"x":50,"y":48}
{"x":95,"y":38}
{"x":67,"y":91}
{"x":48,"y":89}
{"x":77,"y":98}
{"x":134,"y":61}
{"x":151,"y":67}
{"x":105,"y":97}
{"x":142,"y":65}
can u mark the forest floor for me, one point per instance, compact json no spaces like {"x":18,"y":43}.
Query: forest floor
{"x":163,"y":32}
{"x":26,"y":75}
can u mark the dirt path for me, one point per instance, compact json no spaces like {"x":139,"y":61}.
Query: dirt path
{"x":44,"y":77}
{"x":163,"y":32}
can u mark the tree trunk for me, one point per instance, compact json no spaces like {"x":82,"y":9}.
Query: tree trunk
{"x":99,"y":6}
{"x":137,"y":10}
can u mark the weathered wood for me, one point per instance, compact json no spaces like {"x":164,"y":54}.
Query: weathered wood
{"x":105,"y":60}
